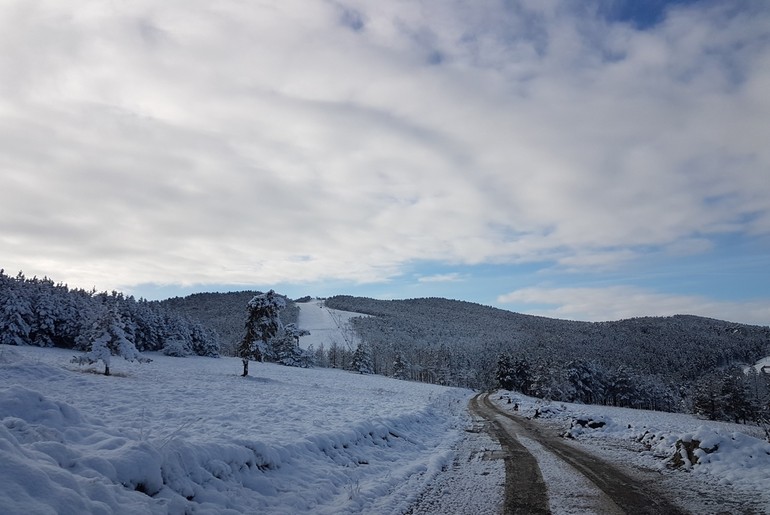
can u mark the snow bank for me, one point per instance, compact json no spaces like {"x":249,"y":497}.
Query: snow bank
{"x":190,"y":435}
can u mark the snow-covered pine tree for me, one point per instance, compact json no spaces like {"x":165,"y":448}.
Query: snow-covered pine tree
{"x":521,"y":375}
{"x":400,"y":366}
{"x":362,"y":360}
{"x":706,"y":396}
{"x":586,"y":381}
{"x":263,"y":323}
{"x":736,"y":397}
{"x":107,"y":337}
{"x":14,"y":310}
{"x":504,"y":374}
{"x":205,"y":341}
{"x":286,"y":347}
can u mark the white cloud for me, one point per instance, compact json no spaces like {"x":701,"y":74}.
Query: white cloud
{"x":441,"y":278}
{"x":191,"y":142}
{"x":620,"y":302}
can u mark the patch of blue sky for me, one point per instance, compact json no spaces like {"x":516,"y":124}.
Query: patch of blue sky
{"x":642,"y":14}
{"x":736,"y":268}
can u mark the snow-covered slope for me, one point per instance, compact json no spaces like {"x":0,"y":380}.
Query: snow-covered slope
{"x":327,"y":326}
{"x":190,"y":434}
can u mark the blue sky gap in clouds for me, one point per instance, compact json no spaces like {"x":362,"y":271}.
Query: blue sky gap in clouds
{"x":590,"y":160}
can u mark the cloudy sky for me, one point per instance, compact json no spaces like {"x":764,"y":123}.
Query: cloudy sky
{"x":589,"y":160}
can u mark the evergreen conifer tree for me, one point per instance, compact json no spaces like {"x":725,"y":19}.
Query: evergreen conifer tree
{"x":106,"y":338}
{"x":400,"y":366}
{"x":263,"y":323}
{"x":504,"y":375}
{"x":362,"y":360}
{"x":286,"y":347}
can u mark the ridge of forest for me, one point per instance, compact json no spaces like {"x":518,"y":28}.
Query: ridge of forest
{"x":676,"y":363}
{"x":681,"y":346}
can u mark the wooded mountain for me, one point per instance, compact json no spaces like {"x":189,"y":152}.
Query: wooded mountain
{"x":681,"y":347}
{"x":677,"y":363}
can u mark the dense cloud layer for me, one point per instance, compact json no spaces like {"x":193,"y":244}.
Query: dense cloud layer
{"x":289,"y":141}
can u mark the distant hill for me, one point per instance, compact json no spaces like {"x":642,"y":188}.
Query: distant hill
{"x":680,"y":346}
{"x":651,"y":362}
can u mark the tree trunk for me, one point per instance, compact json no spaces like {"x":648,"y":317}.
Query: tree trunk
{"x":245,"y":367}
{"x":106,"y":370}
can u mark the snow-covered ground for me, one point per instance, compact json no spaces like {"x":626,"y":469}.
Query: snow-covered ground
{"x":326,"y":326}
{"x":197,"y":437}
{"x":190,"y":435}
{"x":732,"y":473}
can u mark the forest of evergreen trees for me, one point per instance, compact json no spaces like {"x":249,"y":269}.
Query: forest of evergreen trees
{"x":46,"y":314}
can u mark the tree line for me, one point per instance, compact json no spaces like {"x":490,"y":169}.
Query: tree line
{"x":35,"y":311}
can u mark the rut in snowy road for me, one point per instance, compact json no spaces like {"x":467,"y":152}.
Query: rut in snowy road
{"x":524,"y":495}
{"x":525,"y":490}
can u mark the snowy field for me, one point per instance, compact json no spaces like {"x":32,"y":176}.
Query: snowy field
{"x":731,"y":475}
{"x":190,"y":435}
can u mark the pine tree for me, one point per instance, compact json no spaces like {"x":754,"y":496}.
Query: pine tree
{"x":707,"y":400}
{"x":362,"y":360}
{"x":14,"y":329}
{"x":263,"y":324}
{"x":521,"y":375}
{"x":106,"y":338}
{"x":286,"y":347}
{"x":504,"y":375}
{"x":400,"y":366}
{"x":736,"y":397}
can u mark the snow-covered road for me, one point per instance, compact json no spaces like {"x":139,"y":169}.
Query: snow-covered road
{"x":640,"y":445}
{"x":604,"y":488}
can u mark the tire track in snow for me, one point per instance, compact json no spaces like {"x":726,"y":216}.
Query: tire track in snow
{"x":525,"y":490}
{"x":627,"y":493}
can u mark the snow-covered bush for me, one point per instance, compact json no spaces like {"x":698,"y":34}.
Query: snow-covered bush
{"x":106,"y":338}
{"x":177,"y":348}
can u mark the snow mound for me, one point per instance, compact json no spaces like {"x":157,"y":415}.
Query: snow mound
{"x":53,"y":461}
{"x":729,"y":458}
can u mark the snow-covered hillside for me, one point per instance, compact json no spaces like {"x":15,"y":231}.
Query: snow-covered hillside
{"x":190,"y":434}
{"x":327,"y":326}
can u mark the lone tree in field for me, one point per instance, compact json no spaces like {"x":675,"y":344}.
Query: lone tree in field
{"x":262,"y":325}
{"x":106,"y":338}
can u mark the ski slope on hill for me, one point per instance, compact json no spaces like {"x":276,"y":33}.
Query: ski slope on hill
{"x":326,"y":326}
